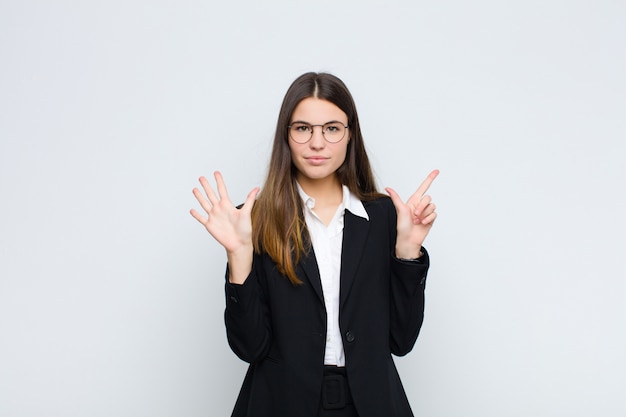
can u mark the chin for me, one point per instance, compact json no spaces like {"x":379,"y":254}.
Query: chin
{"x":315,"y":176}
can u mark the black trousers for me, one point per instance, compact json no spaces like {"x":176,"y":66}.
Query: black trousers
{"x":336,"y":400}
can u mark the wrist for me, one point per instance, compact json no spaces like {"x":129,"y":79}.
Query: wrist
{"x":243,"y":250}
{"x":410,"y":253}
{"x":240,"y":264}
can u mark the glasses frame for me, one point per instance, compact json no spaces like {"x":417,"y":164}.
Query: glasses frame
{"x":323,"y":134}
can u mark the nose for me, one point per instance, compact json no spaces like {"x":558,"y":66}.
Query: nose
{"x":317,"y":138}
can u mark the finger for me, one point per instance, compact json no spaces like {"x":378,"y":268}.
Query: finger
{"x":221,"y":186}
{"x":430,"y":219}
{"x":202,"y":200}
{"x":421,"y":206}
{"x":247,"y":205}
{"x":430,"y":209}
{"x":198,"y":216}
{"x":395,"y":198}
{"x":209,"y":191}
{"x":421,"y":190}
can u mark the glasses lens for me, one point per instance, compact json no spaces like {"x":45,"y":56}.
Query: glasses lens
{"x":334,"y":131}
{"x":300,"y":132}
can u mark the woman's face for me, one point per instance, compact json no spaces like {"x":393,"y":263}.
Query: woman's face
{"x":318,"y":159}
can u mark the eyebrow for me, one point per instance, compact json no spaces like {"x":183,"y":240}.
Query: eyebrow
{"x":325,"y":123}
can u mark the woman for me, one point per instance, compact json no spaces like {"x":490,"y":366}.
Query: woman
{"x":325,"y":276}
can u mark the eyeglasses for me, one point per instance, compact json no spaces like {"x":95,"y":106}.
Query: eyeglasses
{"x":301,"y":132}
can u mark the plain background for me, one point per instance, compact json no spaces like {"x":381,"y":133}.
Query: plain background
{"x":111,"y":295}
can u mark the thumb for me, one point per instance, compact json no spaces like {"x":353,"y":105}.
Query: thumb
{"x":395,"y":198}
{"x":247,"y":206}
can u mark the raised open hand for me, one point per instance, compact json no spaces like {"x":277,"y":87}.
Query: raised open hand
{"x":230,"y":226}
{"x":415,"y":218}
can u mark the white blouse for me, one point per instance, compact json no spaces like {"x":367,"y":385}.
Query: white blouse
{"x":327,"y":241}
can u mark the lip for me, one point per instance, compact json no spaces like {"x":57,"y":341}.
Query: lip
{"x":316,"y":160}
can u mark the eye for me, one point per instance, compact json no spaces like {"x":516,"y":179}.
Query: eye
{"x":301,"y":127}
{"x":333,"y":127}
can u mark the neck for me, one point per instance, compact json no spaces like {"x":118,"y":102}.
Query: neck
{"x":324,"y":191}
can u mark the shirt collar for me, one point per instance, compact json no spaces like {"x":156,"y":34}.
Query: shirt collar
{"x":350,"y":202}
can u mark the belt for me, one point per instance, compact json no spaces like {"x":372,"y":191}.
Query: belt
{"x":335,"y":389}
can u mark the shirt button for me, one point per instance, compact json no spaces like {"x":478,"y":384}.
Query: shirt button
{"x":350,"y":337}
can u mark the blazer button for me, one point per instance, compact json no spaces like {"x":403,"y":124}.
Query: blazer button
{"x":350,"y":337}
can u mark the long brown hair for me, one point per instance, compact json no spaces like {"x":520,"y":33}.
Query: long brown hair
{"x":278,"y":223}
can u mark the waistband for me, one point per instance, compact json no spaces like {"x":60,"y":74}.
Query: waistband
{"x":335,"y":389}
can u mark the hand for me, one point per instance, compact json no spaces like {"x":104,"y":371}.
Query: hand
{"x":415,"y":218}
{"x":230,"y":226}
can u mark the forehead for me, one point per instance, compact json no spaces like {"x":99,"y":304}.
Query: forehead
{"x":317,"y":111}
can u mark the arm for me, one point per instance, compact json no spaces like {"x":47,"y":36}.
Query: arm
{"x":246,"y":317}
{"x":407,"y":285}
{"x":246,"y":313}
{"x":410,"y":265}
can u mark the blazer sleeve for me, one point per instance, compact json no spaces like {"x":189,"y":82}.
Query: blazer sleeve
{"x":407,"y":286}
{"x":408,"y":281}
{"x":246,"y":317}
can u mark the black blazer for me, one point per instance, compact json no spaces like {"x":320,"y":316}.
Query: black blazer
{"x":280,"y":328}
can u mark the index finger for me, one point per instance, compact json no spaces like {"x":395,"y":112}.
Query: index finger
{"x":424,"y":186}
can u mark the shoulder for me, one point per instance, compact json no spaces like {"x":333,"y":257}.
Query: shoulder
{"x":381,"y":209}
{"x":379,"y":204}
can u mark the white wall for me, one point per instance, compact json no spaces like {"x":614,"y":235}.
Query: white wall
{"x":111,"y":295}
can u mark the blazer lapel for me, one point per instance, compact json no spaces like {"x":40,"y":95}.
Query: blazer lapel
{"x":308,"y":265}
{"x":355,"y":230}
